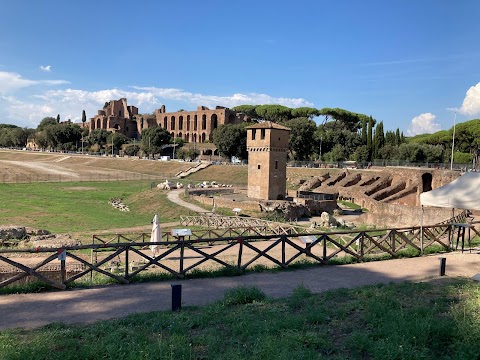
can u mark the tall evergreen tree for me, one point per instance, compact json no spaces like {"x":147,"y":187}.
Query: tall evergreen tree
{"x":84,"y":117}
{"x":58,"y":118}
{"x":370,"y":138}
{"x":364,"y":133}
{"x":398,"y":139}
{"x":379,"y":139}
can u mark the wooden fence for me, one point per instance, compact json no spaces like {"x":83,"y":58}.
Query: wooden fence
{"x":124,"y":260}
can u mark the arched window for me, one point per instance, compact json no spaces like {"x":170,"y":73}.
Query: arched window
{"x":204,"y":122}
{"x":99,"y":124}
{"x":180,"y":123}
{"x":214,"y":120}
{"x":203,"y":138}
{"x":195,"y":125}
{"x":188,"y":122}
{"x":172,"y":123}
{"x":165,"y":122}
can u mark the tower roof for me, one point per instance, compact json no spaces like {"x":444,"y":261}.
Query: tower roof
{"x":268,"y":125}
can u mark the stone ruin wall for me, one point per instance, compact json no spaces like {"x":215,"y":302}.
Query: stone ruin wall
{"x":390,"y":195}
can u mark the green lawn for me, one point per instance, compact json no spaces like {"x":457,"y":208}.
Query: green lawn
{"x":436,"y":320}
{"x":83,"y":206}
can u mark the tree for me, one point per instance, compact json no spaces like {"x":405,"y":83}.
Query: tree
{"x":117,"y":140}
{"x":153,"y":139}
{"x":58,"y":118}
{"x":302,"y":137}
{"x":84,"y":117}
{"x":132,"y":150}
{"x":248,"y":110}
{"x":231,"y":140}
{"x":275,"y":113}
{"x":305,"y":112}
{"x":47,"y":121}
{"x":371,"y":123}
{"x":379,"y":139}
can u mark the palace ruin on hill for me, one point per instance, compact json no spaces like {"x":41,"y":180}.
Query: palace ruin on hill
{"x":191,"y":126}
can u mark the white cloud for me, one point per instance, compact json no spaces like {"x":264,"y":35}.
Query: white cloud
{"x":229,"y":101}
{"x":69,"y":103}
{"x":47,"y":68}
{"x":471,"y":103}
{"x":423,"y":124}
{"x":10,"y":82}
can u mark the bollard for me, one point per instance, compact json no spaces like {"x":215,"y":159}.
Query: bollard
{"x":443,"y":263}
{"x":176,"y":297}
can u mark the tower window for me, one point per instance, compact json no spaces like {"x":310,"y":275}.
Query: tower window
{"x":254,"y":131}
{"x":258,"y":166}
{"x":262,"y":134}
{"x":276,"y":164}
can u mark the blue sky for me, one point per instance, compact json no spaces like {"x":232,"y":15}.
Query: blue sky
{"x":407,"y":63}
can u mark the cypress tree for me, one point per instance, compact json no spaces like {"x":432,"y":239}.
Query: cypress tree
{"x":398,"y":139}
{"x":370,"y":138}
{"x":364,"y":132}
{"x":84,"y":117}
{"x":58,"y":118}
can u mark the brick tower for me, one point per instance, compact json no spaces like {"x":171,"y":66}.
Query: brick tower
{"x":267,"y":146}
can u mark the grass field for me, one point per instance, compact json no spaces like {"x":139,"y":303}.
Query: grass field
{"x":83,"y":206}
{"x":234,"y":174}
{"x":433,"y":320}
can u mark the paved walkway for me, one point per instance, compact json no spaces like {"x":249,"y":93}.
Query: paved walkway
{"x":174,"y":196}
{"x":105,"y":302}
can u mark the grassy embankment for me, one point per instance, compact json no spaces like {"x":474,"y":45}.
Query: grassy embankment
{"x":83,"y":206}
{"x":432,"y":320}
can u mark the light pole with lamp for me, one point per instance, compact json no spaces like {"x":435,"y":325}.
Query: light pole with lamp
{"x":453,"y":140}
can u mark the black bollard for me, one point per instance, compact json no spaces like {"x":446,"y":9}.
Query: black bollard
{"x":443,"y":264}
{"x":176,"y":297}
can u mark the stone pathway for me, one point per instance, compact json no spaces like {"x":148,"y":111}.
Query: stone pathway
{"x":115,"y":301}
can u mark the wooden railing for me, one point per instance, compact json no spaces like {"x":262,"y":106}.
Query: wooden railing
{"x":130,"y":257}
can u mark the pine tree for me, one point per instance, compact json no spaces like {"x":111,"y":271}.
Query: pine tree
{"x":84,"y":117}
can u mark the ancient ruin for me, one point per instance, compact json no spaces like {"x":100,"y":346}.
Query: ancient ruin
{"x":191,"y":126}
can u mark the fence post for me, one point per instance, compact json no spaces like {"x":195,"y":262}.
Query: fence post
{"x":283,"y":249}
{"x":324,"y":247}
{"x":182,"y":251}
{"x":126,"y":261}
{"x":362,"y":245}
{"x":240,"y":251}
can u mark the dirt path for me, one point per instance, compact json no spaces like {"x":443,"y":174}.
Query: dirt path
{"x":114,"y":301}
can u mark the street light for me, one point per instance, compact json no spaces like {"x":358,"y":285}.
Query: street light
{"x":453,"y":140}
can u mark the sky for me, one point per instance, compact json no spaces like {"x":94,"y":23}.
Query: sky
{"x":412,"y":64}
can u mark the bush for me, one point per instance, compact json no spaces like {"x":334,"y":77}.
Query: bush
{"x":243,"y":295}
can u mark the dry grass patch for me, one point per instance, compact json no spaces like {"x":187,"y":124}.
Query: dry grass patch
{"x":227,"y":174}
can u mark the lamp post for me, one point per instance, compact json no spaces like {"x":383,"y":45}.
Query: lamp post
{"x":453,"y":140}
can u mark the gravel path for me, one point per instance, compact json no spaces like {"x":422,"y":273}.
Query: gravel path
{"x":114,"y":301}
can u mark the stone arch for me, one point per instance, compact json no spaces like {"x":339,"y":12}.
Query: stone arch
{"x":188,"y":122}
{"x":194,"y":137}
{"x":165,"y":122}
{"x":214,"y":120}
{"x":204,"y":122}
{"x":195,"y":123}
{"x":99,"y":124}
{"x":172,"y":123}
{"x":180,"y":122}
{"x":203,"y":138}
{"x":426,"y":182}
{"x":187,"y":137}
